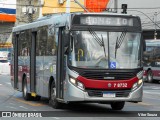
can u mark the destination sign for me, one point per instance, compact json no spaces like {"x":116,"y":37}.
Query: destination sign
{"x":106,"y":21}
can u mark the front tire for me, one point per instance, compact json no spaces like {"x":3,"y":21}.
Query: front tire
{"x":117,"y":105}
{"x":149,"y":76}
{"x":53,"y":101}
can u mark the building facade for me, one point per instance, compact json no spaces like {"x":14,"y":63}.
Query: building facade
{"x":7,"y":21}
{"x":27,"y":11}
{"x":61,"y":6}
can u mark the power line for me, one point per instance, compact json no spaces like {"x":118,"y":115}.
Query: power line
{"x":76,"y":7}
{"x":147,"y":17}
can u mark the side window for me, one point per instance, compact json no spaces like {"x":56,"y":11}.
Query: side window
{"x":28,"y":42}
{"x":51,"y":42}
{"x":24,"y":44}
{"x":20,"y":44}
{"x":153,"y":64}
{"x":157,"y":64}
{"x":46,"y":41}
{"x":41,"y":44}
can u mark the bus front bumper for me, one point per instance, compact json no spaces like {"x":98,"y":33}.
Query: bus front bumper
{"x":75,"y":94}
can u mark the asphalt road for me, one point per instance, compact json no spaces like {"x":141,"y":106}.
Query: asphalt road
{"x":11,"y":100}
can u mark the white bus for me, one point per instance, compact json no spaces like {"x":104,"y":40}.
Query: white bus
{"x":79,"y":57}
{"x":152,"y":61}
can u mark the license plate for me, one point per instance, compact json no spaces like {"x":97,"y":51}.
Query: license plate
{"x":109,"y":95}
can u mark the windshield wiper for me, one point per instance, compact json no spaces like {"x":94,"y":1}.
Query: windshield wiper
{"x":95,"y":36}
{"x":119,"y":42}
{"x":99,"y":41}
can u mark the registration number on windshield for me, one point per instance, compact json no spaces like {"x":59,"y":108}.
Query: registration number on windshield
{"x":120,"y":85}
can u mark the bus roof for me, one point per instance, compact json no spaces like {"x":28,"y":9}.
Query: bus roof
{"x":57,"y":19}
{"x":43,"y":21}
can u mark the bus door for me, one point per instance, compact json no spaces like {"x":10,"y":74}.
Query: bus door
{"x":60,"y":74}
{"x":16,"y":61}
{"x":33,"y":62}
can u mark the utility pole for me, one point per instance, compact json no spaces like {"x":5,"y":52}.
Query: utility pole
{"x":41,"y":3}
{"x":30,"y":11}
{"x":76,"y":1}
{"x":155,"y":24}
{"x":115,"y":6}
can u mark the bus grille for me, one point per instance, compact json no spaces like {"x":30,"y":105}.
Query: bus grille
{"x":99,"y":93}
{"x":108,"y":76}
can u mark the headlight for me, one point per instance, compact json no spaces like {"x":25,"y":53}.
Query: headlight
{"x":140,"y":81}
{"x":76,"y":83}
{"x":137,"y":84}
{"x":73,"y":81}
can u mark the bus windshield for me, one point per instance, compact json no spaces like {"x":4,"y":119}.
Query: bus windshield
{"x":104,"y":50}
{"x":152,"y":54}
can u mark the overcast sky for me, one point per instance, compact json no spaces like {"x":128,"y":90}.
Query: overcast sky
{"x":148,"y":7}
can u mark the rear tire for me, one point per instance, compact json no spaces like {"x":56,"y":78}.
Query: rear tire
{"x":117,"y":105}
{"x":26,"y":95}
{"x":53,"y":101}
{"x":149,"y":76}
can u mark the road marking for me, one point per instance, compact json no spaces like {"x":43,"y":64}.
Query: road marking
{"x":29,"y":103}
{"x":143,"y":103}
{"x":156,"y":88}
{"x":12,"y":103}
{"x":56,"y":118}
{"x":153,"y":92}
{"x":11,"y":107}
{"x":0,"y":84}
{"x":23,"y":107}
{"x":8,"y":83}
{"x":151,"y":98}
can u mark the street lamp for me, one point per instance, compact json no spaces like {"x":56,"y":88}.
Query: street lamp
{"x":155,"y":21}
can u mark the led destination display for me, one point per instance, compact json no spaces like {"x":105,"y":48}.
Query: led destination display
{"x":108,"y":21}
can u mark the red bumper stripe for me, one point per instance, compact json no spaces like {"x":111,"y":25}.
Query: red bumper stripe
{"x":103,"y":84}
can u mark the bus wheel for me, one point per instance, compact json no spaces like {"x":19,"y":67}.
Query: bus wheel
{"x":117,"y":105}
{"x":53,"y":101}
{"x":26,"y":95}
{"x":149,"y":76}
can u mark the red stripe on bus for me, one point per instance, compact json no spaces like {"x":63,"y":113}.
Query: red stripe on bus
{"x":103,"y":84}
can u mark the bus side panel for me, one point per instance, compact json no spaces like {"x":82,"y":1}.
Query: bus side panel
{"x":41,"y":41}
{"x":39,"y":75}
